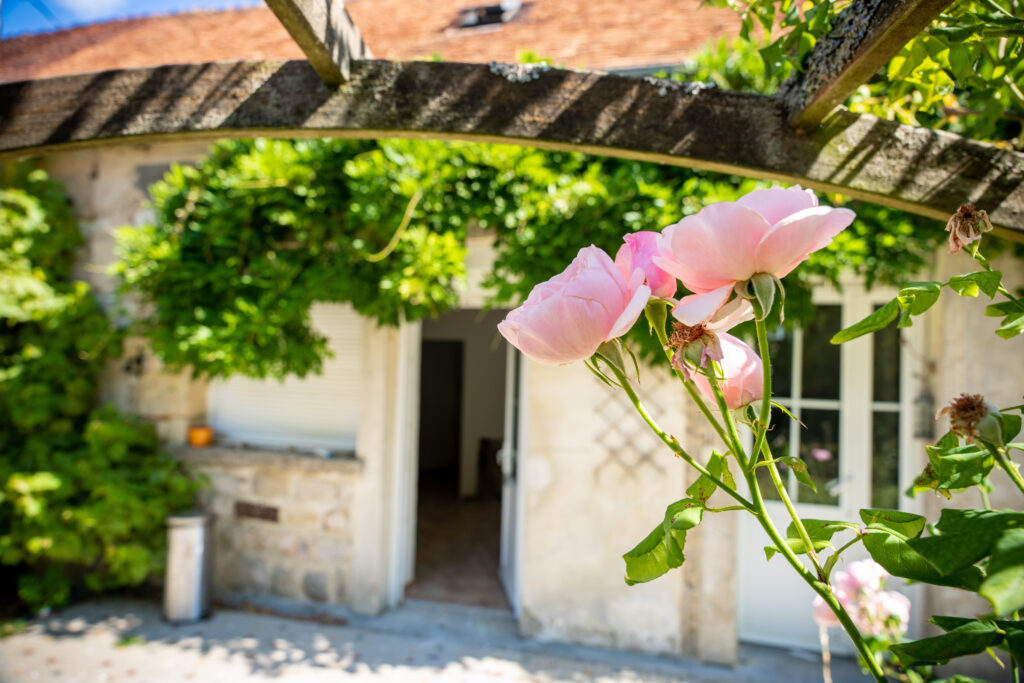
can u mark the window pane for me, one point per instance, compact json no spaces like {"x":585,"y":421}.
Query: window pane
{"x":821,"y":357}
{"x":780,"y":345}
{"x":887,"y":364}
{"x":885,"y":461}
{"x":819,"y":449}
{"x":778,"y":442}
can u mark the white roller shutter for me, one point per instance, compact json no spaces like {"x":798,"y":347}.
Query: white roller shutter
{"x":319,"y":411}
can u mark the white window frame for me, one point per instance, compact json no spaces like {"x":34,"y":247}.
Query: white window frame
{"x":856,"y":404}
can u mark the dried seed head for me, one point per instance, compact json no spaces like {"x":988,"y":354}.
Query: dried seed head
{"x":966,"y":226}
{"x":965,"y":412}
{"x":684,"y":335}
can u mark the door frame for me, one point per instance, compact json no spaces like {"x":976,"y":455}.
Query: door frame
{"x":403,"y":477}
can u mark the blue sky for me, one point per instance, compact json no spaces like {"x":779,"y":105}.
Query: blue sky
{"x":36,"y":16}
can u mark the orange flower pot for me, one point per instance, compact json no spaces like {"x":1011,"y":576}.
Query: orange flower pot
{"x":199,"y":437}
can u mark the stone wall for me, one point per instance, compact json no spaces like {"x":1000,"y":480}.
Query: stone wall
{"x":282,"y":522}
{"x":969,"y":358}
{"x":597,"y":481}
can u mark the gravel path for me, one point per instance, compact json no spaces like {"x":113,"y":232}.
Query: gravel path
{"x":116,"y":640}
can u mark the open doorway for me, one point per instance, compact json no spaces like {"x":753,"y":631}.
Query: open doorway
{"x":459,"y":491}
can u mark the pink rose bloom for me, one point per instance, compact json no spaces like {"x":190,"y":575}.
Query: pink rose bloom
{"x":568,"y":317}
{"x":821,"y":454}
{"x":743,"y":375}
{"x":862,"y":576}
{"x":637,"y":252}
{"x":894,"y":609}
{"x":766,"y":231}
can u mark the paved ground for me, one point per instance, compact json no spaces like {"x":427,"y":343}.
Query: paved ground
{"x":113,"y":640}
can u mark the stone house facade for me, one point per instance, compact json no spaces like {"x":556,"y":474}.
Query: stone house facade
{"x":587,"y":483}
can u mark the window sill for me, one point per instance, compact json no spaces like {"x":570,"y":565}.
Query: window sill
{"x":252,"y":456}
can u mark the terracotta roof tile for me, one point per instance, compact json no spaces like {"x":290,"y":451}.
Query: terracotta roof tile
{"x":595,"y":34}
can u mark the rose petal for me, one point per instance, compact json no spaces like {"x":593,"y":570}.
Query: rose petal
{"x":631,"y":313}
{"x":792,"y":239}
{"x":712,"y":248}
{"x":696,"y":308}
{"x":732,"y":314}
{"x":776,"y":203}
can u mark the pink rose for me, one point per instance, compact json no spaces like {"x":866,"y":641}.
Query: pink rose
{"x":766,"y":231}
{"x":637,"y":252}
{"x":741,"y":368}
{"x":862,"y":576}
{"x":566,"y":318}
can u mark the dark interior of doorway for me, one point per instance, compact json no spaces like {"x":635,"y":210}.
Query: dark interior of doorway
{"x":457,"y":537}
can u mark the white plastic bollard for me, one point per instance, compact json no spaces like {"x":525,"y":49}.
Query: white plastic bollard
{"x":186,"y":583}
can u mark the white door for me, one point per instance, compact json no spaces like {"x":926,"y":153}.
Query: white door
{"x":855,"y":400}
{"x":509,"y":456}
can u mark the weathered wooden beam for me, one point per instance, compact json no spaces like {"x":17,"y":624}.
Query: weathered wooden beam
{"x":925,"y":171}
{"x":326,"y":34}
{"x":867,"y":34}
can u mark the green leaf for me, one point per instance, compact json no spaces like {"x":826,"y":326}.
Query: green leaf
{"x":705,"y":486}
{"x":874,"y":322}
{"x":916,"y":298}
{"x":894,"y":553}
{"x":906,"y":524}
{"x":648,"y":560}
{"x":1011,"y":326}
{"x":1002,"y":308}
{"x":962,"y":537}
{"x":960,"y":466}
{"x":1011,"y":425}
{"x":968,"y":639}
{"x":820,"y":532}
{"x":1004,"y":585}
{"x":986,"y":281}
{"x":799,"y":468}
{"x":662,"y":549}
{"x":1015,"y":644}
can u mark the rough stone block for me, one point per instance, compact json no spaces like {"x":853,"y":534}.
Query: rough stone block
{"x":330,"y":550}
{"x":337,"y":521}
{"x":285,"y":582}
{"x":317,"y":489}
{"x":252,"y":573}
{"x":340,"y":586}
{"x":271,"y":484}
{"x":315,"y":585}
{"x":300,"y":517}
{"x":292,"y":545}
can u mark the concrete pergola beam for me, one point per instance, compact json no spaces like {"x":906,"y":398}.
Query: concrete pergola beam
{"x":920,"y":170}
{"x":325,"y":33}
{"x":867,"y":34}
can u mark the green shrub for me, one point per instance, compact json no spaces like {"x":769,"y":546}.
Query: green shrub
{"x":83,"y":492}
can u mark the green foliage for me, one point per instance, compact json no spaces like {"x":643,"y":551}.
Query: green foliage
{"x":964,"y":73}
{"x":83,"y":492}
{"x":247,"y":240}
{"x":228,"y":282}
